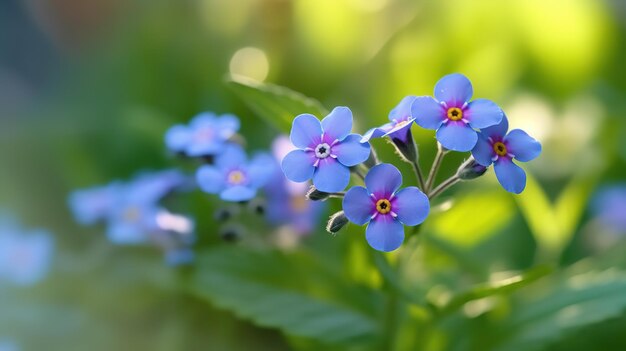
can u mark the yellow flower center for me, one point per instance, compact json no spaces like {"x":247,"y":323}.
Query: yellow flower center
{"x":383,"y":206}
{"x":455,"y":113}
{"x":236,"y":177}
{"x":132,"y":214}
{"x":500,"y":148}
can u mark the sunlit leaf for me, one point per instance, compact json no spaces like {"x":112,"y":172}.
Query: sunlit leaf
{"x":264,"y":289}
{"x":275,"y":104}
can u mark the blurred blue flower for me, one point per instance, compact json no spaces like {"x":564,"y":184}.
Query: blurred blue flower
{"x":233,"y":177}
{"x":8,"y":345}
{"x":205,"y":135}
{"x":453,"y":115}
{"x":385,"y":208}
{"x":286,"y":201}
{"x":400,"y":123}
{"x":325,"y":150}
{"x":91,"y":205}
{"x":25,"y":255}
{"x":608,"y":205}
{"x":496,"y":146}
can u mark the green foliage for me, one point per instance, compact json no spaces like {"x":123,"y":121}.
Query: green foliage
{"x":268,"y":289}
{"x":275,"y":104}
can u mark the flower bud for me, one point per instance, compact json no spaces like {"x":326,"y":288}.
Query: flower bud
{"x":232,"y":233}
{"x":406,"y":148}
{"x":257,"y":206}
{"x":315,"y":195}
{"x":336,"y":222}
{"x":223,"y":214}
{"x":470,"y":169}
{"x":372,"y":160}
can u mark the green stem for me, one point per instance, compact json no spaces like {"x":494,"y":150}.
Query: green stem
{"x":444,"y":186}
{"x":418,"y":174}
{"x":441,"y":152}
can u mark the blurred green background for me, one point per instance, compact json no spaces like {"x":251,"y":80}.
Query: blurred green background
{"x":87,"y":89}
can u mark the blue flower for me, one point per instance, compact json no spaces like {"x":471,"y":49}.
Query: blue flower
{"x":496,"y":146}
{"x":286,"y":201}
{"x":8,"y":345}
{"x":25,"y":255}
{"x":385,"y":208}
{"x":400,"y":123}
{"x":609,"y":206}
{"x":325,"y":150}
{"x":206,"y":135}
{"x":233,"y":177}
{"x":453,"y":115}
{"x":91,"y":205}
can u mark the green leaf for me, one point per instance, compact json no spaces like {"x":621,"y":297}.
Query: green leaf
{"x":505,"y":286}
{"x":553,"y":225}
{"x":275,"y":104}
{"x":570,"y":303}
{"x":270,"y":290}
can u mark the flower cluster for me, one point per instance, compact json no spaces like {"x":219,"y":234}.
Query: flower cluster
{"x":134,"y":215}
{"x":25,"y":255}
{"x":327,"y":153}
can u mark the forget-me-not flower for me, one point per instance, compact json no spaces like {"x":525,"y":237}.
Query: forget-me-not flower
{"x":25,"y":255}
{"x":452,"y":113}
{"x":325,"y":151}
{"x":286,"y":201}
{"x":93,"y":204}
{"x":233,"y":177}
{"x":400,"y":122}
{"x":386,"y":209}
{"x":205,"y":135}
{"x":608,"y":205}
{"x":496,"y":146}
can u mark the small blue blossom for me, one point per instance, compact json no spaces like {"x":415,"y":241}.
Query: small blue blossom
{"x":325,"y":151}
{"x":496,"y":146}
{"x":233,"y":177}
{"x":400,"y":123}
{"x":453,"y":115}
{"x":609,"y":207}
{"x":94,"y":204}
{"x":385,"y":208}
{"x":286,"y":201}
{"x":206,"y":135}
{"x":25,"y":255}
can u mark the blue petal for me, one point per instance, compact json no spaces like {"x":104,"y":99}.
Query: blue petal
{"x":212,"y":147}
{"x":428,"y":113}
{"x":210,"y":179}
{"x":331,"y":176}
{"x":338,"y":124}
{"x":383,"y":180}
{"x":522,"y":145}
{"x":298,"y":165}
{"x":483,"y":113}
{"x":411,"y":205}
{"x":204,"y":119}
{"x":227,"y":125}
{"x":498,"y":131}
{"x":483,"y":151}
{"x":454,"y":89}
{"x":403,"y":110}
{"x":358,"y":205}
{"x":384,"y":233}
{"x":376,"y":132}
{"x":260,"y":170}
{"x":401,"y":130}
{"x":237,"y":193}
{"x":233,"y":156}
{"x":306,"y":131}
{"x":351,"y":151}
{"x":457,"y":136}
{"x":511,"y":176}
{"x":177,"y":138}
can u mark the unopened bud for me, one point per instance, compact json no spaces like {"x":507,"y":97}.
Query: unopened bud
{"x":315,"y":195}
{"x":225,"y":213}
{"x":257,"y":206}
{"x":336,"y":222}
{"x":470,"y":169}
{"x":406,"y":148}
{"x":232,"y":233}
